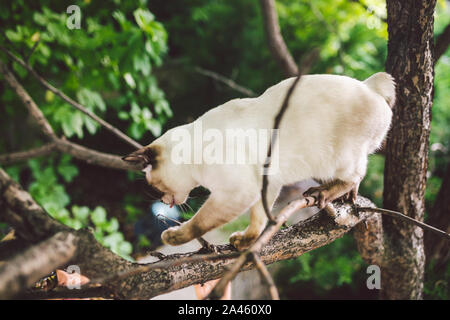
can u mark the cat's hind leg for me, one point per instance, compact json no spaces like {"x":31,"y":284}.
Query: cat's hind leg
{"x":330,"y":191}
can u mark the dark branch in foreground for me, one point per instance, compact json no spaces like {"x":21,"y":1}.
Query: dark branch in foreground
{"x":24,"y":269}
{"x":306,"y":65}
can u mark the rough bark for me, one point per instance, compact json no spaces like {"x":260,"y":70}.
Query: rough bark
{"x":24,"y":269}
{"x":410,"y":61}
{"x":31,"y":222}
{"x":275,"y":40}
{"x":369,"y":239}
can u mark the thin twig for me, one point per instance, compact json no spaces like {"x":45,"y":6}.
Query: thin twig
{"x":27,"y":59}
{"x":401,"y":216}
{"x":75,"y":104}
{"x":305,"y":66}
{"x":230,"y":83}
{"x":267,"y":278}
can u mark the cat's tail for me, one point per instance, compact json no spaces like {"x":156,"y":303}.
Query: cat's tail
{"x":383,"y":84}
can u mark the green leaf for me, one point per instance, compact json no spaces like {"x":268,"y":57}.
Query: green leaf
{"x":144,"y":18}
{"x":13,"y":36}
{"x":123,"y":115}
{"x":91,"y":125}
{"x":125,"y":248}
{"x":98,"y":216}
{"x":81,"y":214}
{"x":129,"y":80}
{"x":112,"y":225}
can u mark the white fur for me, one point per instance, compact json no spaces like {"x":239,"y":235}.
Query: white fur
{"x":332,"y":124}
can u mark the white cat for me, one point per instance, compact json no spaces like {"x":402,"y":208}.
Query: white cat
{"x":331,"y":126}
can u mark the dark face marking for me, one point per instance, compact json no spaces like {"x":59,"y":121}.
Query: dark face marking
{"x":144,"y":156}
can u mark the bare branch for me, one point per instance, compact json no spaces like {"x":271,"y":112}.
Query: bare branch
{"x":442,"y":43}
{"x":92,"y":156}
{"x":29,"y":103}
{"x":24,"y":269}
{"x":403,"y":217}
{"x":75,"y":104}
{"x":275,"y":40}
{"x":306,"y":65}
{"x":35,"y":45}
{"x":61,"y":144}
{"x":230,"y":83}
{"x":10,"y":158}
{"x":267,"y":278}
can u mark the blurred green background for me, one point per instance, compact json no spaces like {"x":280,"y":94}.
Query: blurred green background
{"x":134,"y":64}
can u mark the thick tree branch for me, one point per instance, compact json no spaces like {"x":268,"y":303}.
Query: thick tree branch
{"x":275,"y":40}
{"x":24,"y":269}
{"x":32,"y":223}
{"x":72,"y":102}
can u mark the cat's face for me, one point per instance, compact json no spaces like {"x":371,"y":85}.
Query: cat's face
{"x":169,"y":182}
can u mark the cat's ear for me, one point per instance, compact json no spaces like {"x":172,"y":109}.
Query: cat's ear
{"x":144,"y":157}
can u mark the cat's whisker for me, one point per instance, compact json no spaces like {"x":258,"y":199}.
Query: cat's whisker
{"x":187,"y":204}
{"x":167,"y":218}
{"x":162,"y":218}
{"x":182,"y":208}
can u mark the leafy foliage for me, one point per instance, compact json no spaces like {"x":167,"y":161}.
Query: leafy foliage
{"x":107,"y":66}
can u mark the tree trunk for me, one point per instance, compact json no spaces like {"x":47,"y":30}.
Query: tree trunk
{"x":410,"y":61}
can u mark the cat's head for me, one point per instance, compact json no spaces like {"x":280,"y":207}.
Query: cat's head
{"x":168,"y":181}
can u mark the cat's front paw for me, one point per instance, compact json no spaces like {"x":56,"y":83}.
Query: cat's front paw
{"x":241,"y":240}
{"x":173,"y":236}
